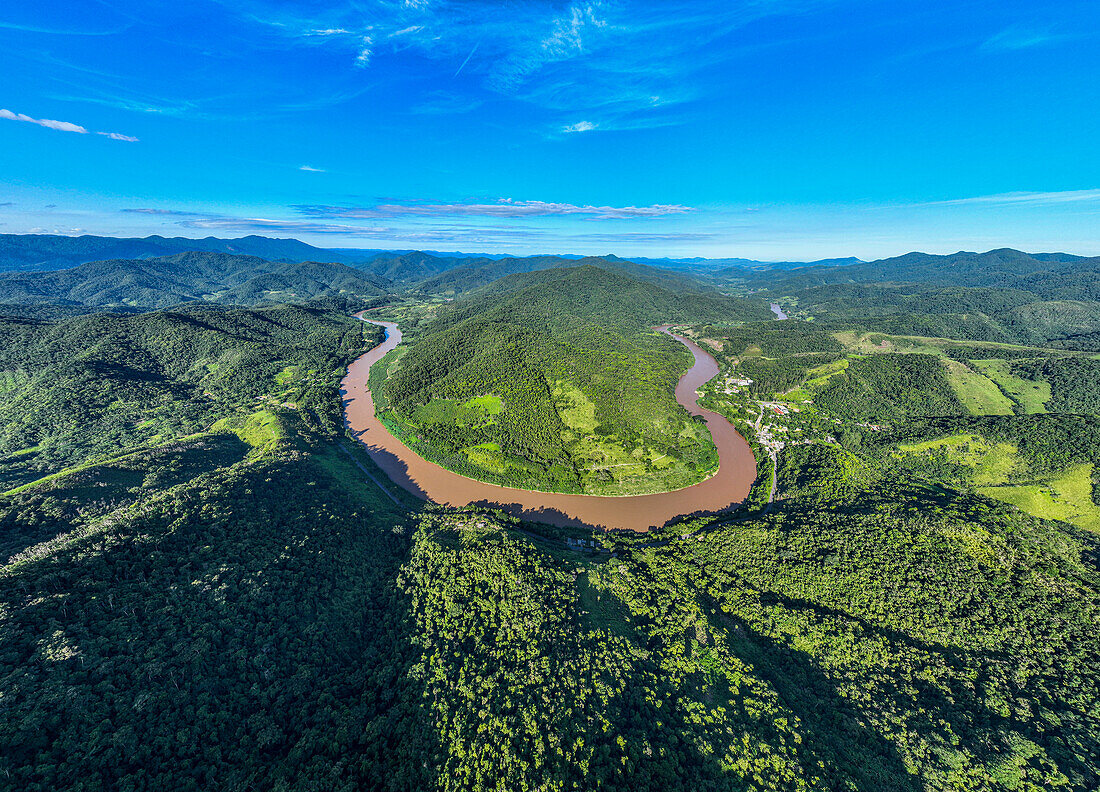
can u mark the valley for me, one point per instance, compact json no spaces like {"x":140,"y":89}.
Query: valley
{"x":497,"y":531}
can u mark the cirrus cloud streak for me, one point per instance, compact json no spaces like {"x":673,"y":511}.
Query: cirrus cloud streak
{"x":502,"y":208}
{"x":62,"y":126}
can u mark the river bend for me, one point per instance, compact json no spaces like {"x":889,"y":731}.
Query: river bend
{"x":429,"y":481}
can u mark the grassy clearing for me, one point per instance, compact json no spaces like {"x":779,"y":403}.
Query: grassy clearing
{"x":991,"y":463}
{"x":930,"y":345}
{"x":261,"y":430}
{"x":1031,"y":395}
{"x":288,"y":375}
{"x":575,"y":409}
{"x":488,"y":404}
{"x":601,"y":458}
{"x":477,"y":412}
{"x":489,"y":456}
{"x":1066,"y":497}
{"x":819,"y":375}
{"x":877,"y":343}
{"x":978,"y":394}
{"x":341,"y":467}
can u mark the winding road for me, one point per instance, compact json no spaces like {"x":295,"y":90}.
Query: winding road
{"x":427,"y":480}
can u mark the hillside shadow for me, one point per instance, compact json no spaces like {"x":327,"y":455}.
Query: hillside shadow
{"x":246,"y":633}
{"x":851,"y":754}
{"x":122,"y":373}
{"x":55,"y":506}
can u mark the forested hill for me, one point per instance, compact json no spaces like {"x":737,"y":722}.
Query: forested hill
{"x":414,"y":267}
{"x":736,"y":268}
{"x":611,"y":296}
{"x":474,"y":273}
{"x":104,"y":272}
{"x":185,"y":277}
{"x":205,"y":585}
{"x":554,"y":380}
{"x":100,"y":383}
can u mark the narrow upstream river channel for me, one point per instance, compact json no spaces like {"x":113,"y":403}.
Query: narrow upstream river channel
{"x":427,"y":480}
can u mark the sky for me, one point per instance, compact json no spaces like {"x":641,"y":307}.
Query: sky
{"x":766,"y":129}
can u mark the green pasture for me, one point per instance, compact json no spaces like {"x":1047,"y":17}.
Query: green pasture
{"x":978,"y":394}
{"x":1030,"y":395}
{"x":1066,"y":496}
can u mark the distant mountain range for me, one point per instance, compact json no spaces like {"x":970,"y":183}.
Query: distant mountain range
{"x":1000,"y":295}
{"x":1054,"y":276}
{"x":34,"y":252}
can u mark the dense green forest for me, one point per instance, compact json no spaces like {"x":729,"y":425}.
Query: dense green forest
{"x":96,"y":384}
{"x":187,"y":277}
{"x":240,"y":628}
{"x":889,"y":388}
{"x":292,"y":628}
{"x":201,"y":587}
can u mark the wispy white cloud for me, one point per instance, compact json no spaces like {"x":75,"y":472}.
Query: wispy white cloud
{"x":446,"y":103}
{"x":124,"y":100}
{"x":363,"y":58}
{"x":310,"y":169}
{"x":49,"y":123}
{"x":278,"y":226}
{"x":1018,"y":38}
{"x":567,"y":36}
{"x":637,"y":238}
{"x":1022,"y":198}
{"x":580,"y":126}
{"x":492,"y":236}
{"x":61,"y":126}
{"x":619,"y":65}
{"x":504,"y":208}
{"x":55,"y":231}
{"x":165,"y":212}
{"x":56,"y":31}
{"x":120,"y":136}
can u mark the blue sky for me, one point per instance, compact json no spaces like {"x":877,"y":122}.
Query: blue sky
{"x":772,"y":129}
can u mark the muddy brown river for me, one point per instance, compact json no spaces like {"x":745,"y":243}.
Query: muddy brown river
{"x":428,"y":481}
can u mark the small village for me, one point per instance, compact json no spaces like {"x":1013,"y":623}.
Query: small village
{"x":778,"y":424}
